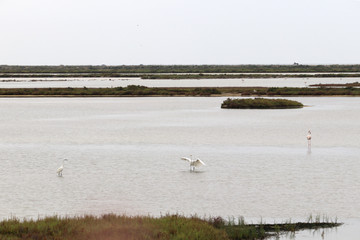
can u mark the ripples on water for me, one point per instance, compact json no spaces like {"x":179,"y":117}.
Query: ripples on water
{"x":124,"y":157}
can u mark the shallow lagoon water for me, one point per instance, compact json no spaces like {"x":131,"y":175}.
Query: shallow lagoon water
{"x":124,"y":157}
{"x":123,"y":82}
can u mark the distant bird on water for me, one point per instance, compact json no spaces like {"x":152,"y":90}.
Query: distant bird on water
{"x":309,"y":135}
{"x":309,"y":139}
{"x":193,"y":163}
{"x":61,"y":168}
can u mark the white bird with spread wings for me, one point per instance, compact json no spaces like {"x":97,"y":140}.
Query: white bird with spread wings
{"x":193,"y":163}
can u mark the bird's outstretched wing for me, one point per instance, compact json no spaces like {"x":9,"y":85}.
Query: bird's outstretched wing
{"x":186,"y":159}
{"x":198,"y":162}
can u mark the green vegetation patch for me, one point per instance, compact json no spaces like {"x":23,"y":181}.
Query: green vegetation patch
{"x":168,"y":227}
{"x":336,"y":85}
{"x":260,"y":103}
{"x":111,"y":227}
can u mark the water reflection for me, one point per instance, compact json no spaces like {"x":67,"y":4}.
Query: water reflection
{"x":309,"y":150}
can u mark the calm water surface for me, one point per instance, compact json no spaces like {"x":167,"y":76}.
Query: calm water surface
{"x":123,"y":82}
{"x":124,"y":157}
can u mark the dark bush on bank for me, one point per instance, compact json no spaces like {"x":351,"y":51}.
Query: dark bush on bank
{"x":260,"y":103}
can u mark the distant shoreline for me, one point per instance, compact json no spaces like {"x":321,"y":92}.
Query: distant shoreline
{"x":176,"y":76}
{"x":180,"y":72}
{"x":176,"y":69}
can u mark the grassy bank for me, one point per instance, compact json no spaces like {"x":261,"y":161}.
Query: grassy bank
{"x":130,"y":228}
{"x":260,"y":103}
{"x":131,"y":90}
{"x":336,"y":85}
{"x":173,"y":91}
{"x":285,"y":91}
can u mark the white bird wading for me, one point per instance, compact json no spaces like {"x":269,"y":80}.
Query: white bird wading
{"x":61,"y":168}
{"x":193,"y":163}
{"x":309,"y":138}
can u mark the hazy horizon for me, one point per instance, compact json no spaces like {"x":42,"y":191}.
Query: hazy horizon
{"x":231,"y":32}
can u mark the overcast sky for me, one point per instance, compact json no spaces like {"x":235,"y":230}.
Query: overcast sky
{"x":117,"y":32}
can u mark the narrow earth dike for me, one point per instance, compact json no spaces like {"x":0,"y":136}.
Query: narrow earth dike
{"x":134,"y":90}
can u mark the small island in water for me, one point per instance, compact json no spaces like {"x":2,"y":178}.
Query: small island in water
{"x":260,"y":103}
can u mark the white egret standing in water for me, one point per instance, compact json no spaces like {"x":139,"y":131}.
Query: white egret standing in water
{"x":61,"y":168}
{"x":193,"y":163}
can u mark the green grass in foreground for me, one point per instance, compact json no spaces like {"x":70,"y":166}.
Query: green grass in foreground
{"x":260,"y":103}
{"x":111,"y":227}
{"x":138,"y":228}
